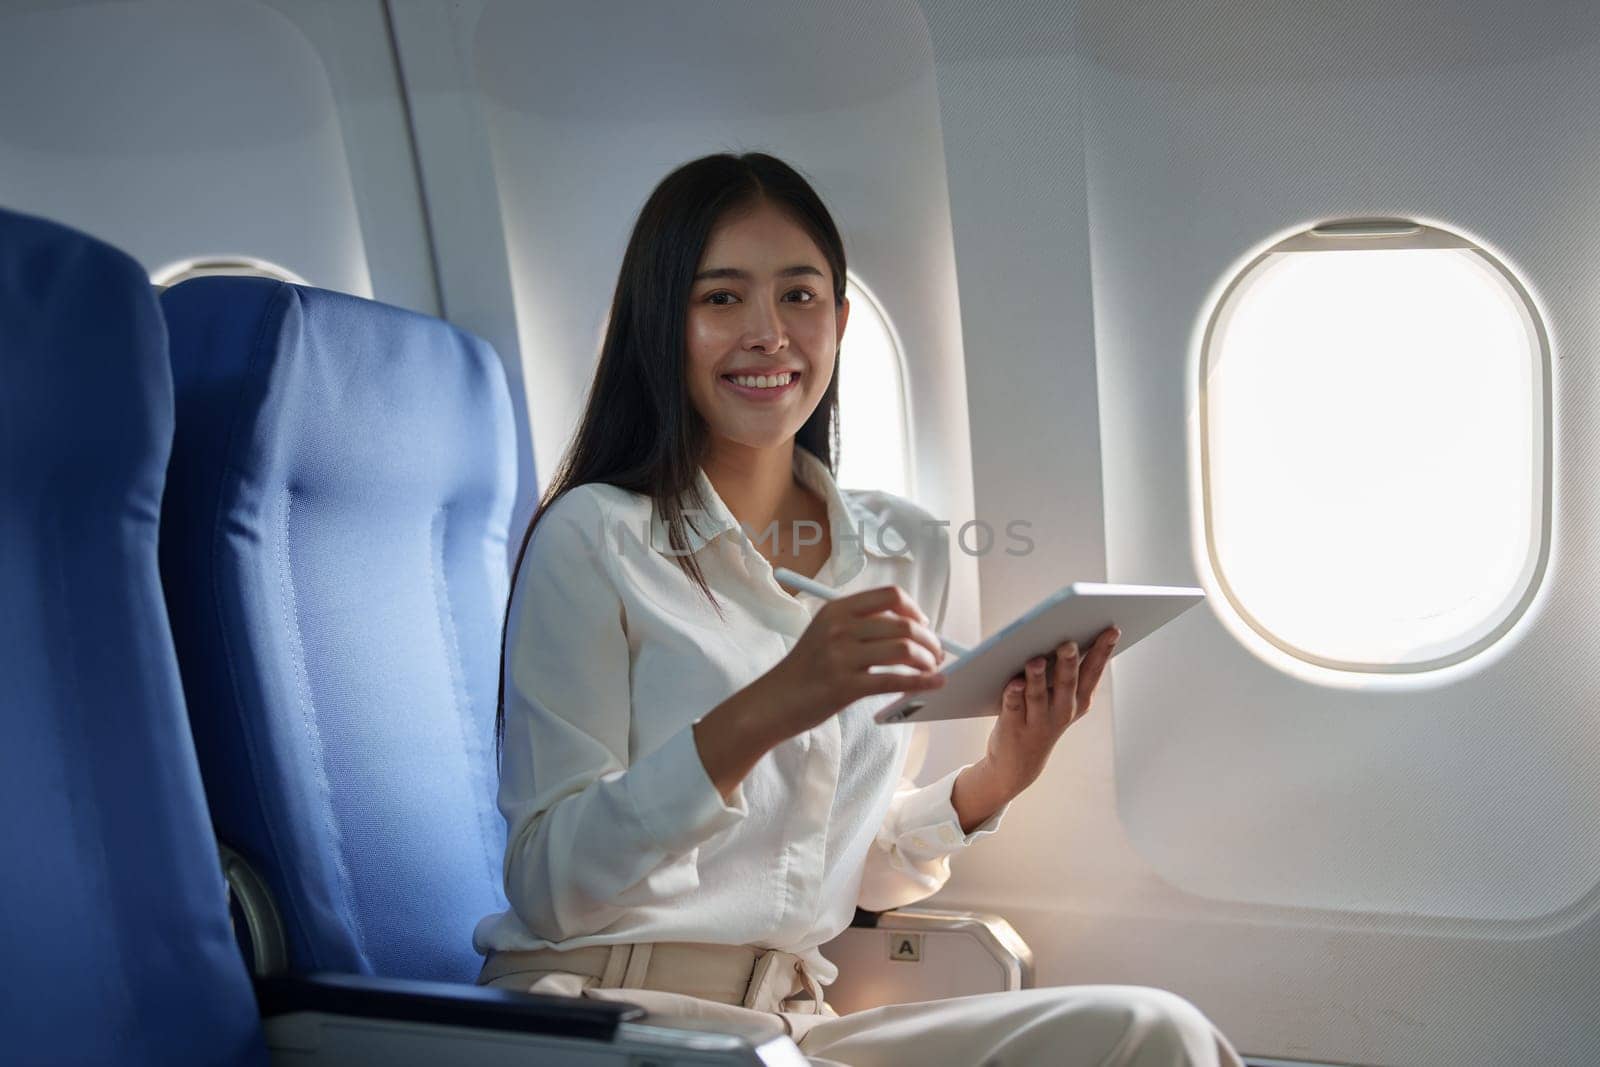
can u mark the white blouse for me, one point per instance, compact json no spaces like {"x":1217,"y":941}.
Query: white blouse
{"x":615,"y":832}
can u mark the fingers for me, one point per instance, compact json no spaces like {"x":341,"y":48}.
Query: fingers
{"x":1064,"y":701}
{"x":880,"y":627}
{"x":1035,"y":694}
{"x":895,"y":682}
{"x":891,"y":650}
{"x":873,"y":627}
{"x":890,"y":598}
{"x":1059,"y":693}
{"x":1094,"y":665}
{"x":1035,"y":690}
{"x":889,"y":628}
{"x":1011,"y":700}
{"x":852,"y":636}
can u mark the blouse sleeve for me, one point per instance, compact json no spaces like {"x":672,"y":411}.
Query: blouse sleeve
{"x":910,"y":856}
{"x":584,"y":825}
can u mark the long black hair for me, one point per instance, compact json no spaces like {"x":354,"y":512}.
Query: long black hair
{"x":640,"y":431}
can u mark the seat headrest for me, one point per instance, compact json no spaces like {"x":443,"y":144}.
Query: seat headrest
{"x":86,"y":390}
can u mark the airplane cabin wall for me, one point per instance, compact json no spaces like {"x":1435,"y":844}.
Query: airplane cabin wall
{"x":181,"y":130}
{"x":1368,"y":875}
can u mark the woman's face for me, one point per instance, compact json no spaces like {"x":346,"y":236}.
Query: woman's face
{"x":762,"y":305}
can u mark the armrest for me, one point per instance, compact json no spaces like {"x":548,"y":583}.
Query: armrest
{"x":998,"y":937}
{"x":443,"y":1003}
{"x":911,"y":954}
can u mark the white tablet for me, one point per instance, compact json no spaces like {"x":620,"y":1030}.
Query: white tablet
{"x":1077,"y":613}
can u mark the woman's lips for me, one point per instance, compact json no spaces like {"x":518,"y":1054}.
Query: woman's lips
{"x":763,"y":395}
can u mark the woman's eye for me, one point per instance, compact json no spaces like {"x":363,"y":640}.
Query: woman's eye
{"x":808,"y":297}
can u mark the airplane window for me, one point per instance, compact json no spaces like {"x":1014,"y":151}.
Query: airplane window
{"x":1375,"y":447}
{"x":245,"y":266}
{"x":874,"y":448}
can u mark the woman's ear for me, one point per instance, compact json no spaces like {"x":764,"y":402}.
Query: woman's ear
{"x":843,"y":316}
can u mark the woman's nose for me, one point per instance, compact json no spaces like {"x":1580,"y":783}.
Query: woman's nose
{"x":764,"y":329}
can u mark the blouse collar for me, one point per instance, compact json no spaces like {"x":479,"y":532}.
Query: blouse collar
{"x":857,"y":531}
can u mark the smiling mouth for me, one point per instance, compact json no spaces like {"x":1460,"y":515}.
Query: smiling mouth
{"x":762,"y":383}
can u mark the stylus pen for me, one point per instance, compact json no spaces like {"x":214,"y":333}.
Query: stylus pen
{"x":806,"y":585}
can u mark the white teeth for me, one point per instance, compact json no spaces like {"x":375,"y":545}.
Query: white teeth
{"x":764,"y":381}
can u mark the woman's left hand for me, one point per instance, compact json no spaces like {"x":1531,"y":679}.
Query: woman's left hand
{"x":1035,"y":710}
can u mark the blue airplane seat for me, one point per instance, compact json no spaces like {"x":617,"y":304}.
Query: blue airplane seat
{"x":333,"y":552}
{"x":116,"y":936}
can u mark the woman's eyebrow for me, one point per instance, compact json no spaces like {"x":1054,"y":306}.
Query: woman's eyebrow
{"x":744,"y":275}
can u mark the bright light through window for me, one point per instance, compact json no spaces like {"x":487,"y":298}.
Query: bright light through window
{"x":873,"y":438}
{"x":1374,"y":448}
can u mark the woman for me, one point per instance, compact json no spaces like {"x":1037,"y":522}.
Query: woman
{"x":696,"y":794}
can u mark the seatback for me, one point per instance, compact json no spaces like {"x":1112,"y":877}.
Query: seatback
{"x":115,"y":932}
{"x":333,"y":551}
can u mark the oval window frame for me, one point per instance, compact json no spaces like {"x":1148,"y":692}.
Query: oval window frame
{"x":860,"y":293}
{"x":1378,"y":234}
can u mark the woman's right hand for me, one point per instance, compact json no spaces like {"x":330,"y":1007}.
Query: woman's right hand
{"x":829,"y":668}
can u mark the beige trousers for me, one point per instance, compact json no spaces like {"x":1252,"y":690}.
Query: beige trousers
{"x":1059,"y":1026}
